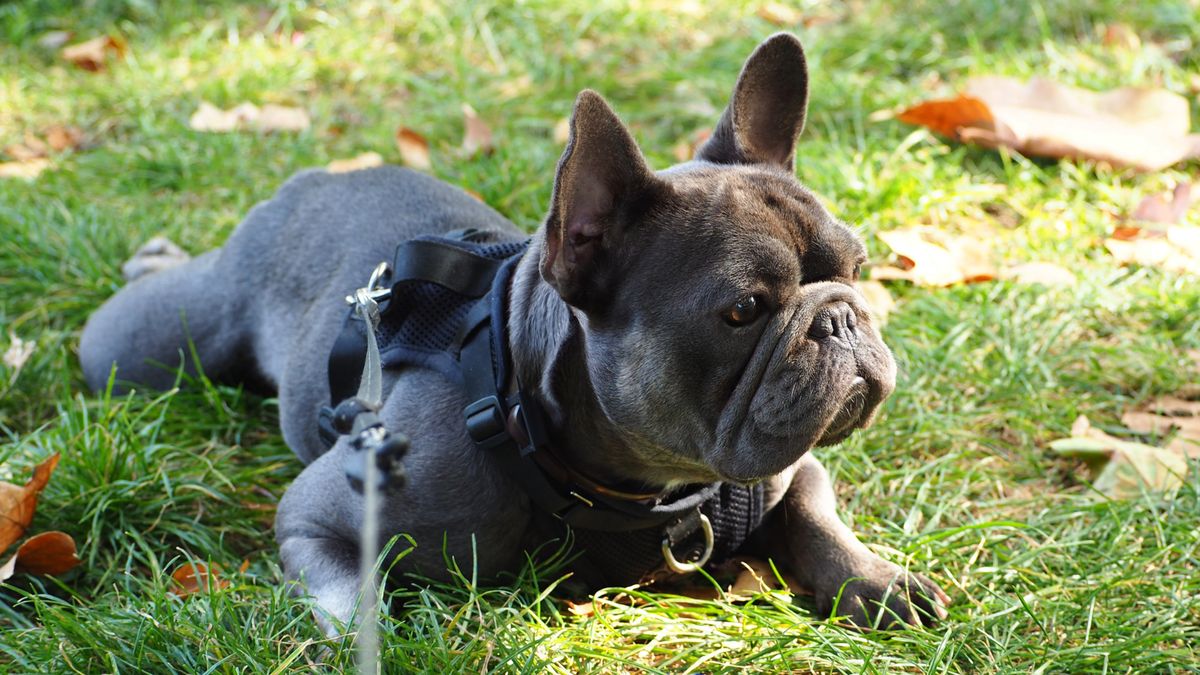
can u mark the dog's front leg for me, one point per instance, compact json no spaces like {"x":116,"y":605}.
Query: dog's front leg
{"x":845,"y":576}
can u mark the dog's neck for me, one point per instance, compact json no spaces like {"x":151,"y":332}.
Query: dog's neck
{"x":549,"y":360}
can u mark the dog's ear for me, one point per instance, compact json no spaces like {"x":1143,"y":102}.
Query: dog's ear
{"x":601,"y":187}
{"x":766,"y":113}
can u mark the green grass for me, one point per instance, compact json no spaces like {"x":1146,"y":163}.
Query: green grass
{"x":955,"y":479}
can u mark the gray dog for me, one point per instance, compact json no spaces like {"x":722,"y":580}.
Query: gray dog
{"x":686,"y":336}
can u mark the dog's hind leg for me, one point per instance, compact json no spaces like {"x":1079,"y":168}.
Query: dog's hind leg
{"x":149,"y":329}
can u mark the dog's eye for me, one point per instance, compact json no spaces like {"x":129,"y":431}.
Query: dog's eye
{"x":744,"y":311}
{"x":857,"y":274}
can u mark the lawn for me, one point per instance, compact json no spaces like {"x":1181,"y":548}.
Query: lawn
{"x":955,"y":479}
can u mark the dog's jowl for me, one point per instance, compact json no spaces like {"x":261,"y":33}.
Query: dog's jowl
{"x":649,"y":370}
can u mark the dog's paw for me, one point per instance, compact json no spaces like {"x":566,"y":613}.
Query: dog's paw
{"x":880,"y":595}
{"x":157,"y":254}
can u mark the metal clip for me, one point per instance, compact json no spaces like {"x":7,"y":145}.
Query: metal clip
{"x":366,"y":300}
{"x":688,"y":568}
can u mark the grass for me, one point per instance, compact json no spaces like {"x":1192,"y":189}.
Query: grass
{"x":955,"y":479}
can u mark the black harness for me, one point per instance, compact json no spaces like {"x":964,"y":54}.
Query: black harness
{"x":446,"y":309}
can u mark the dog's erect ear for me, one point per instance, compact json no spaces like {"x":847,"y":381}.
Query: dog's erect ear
{"x":602,"y":186}
{"x":766,"y":113}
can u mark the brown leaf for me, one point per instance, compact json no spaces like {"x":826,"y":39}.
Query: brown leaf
{"x":414,"y":149}
{"x":1176,"y":249}
{"x":60,"y":137}
{"x":93,"y":55}
{"x":780,"y":14}
{"x":1165,"y":415}
{"x":949,"y":117}
{"x":366,"y":160}
{"x":1143,"y":128}
{"x":16,"y":355}
{"x":247,"y":116}
{"x":879,"y":300}
{"x":562,"y":131}
{"x":1121,"y":36}
{"x":581,"y":608}
{"x":1159,"y":209}
{"x":29,"y":149}
{"x":930,"y":257}
{"x":273,"y":117}
{"x":1122,"y":469}
{"x":477,"y":137}
{"x":48,"y":553}
{"x":27,"y":170}
{"x":193,"y":577}
{"x":1043,"y":273}
{"x":19,"y":503}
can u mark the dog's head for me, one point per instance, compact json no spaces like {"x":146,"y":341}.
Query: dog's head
{"x":724,"y":336}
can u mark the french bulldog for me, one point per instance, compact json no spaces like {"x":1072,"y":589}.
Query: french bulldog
{"x":689,"y":326}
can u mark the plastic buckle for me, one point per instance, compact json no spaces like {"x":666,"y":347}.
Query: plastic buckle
{"x":485,"y":422}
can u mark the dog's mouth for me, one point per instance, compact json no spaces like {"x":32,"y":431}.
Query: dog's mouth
{"x":850,"y":416}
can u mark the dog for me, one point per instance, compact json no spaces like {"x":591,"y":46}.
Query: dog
{"x":685,"y":334}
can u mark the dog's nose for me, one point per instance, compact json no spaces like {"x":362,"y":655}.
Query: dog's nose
{"x":834,"y":320}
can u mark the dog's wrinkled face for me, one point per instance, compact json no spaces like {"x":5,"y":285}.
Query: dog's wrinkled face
{"x":724,"y":334}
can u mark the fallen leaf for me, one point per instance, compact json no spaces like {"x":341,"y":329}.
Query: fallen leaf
{"x":27,"y":170}
{"x":1176,"y":248}
{"x":1158,"y":209}
{"x":49,"y":553}
{"x":1143,"y":128}
{"x":247,"y":116}
{"x":930,"y":257}
{"x":1043,"y":273}
{"x":780,"y":14}
{"x":1122,"y":469}
{"x":193,"y":577}
{"x":414,"y":149}
{"x":562,"y":131}
{"x":55,"y":39}
{"x":60,"y":137}
{"x":477,"y":137}
{"x":879,"y":300}
{"x":366,"y":160}
{"x":273,"y":117}
{"x":1165,"y":415}
{"x":16,"y":355}
{"x":581,"y":608}
{"x":29,"y":149}
{"x":18,"y":503}
{"x":1121,"y":36}
{"x":93,"y":54}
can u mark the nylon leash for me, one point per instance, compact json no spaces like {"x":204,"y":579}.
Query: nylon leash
{"x":373,"y":466}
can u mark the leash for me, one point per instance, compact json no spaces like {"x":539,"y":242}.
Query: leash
{"x":374,"y":466}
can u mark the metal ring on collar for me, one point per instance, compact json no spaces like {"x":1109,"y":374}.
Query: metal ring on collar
{"x":687,"y":568}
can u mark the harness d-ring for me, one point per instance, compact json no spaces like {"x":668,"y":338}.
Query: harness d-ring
{"x":688,"y":568}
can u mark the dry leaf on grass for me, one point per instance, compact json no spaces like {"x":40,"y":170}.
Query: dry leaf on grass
{"x":1122,"y":469}
{"x":17,"y":354}
{"x":1043,"y":273}
{"x":27,"y":170}
{"x":1160,"y":209}
{"x":1167,"y":415}
{"x":18,"y":503}
{"x":879,"y":300}
{"x":1143,"y":128}
{"x":477,"y":136}
{"x":193,"y":577}
{"x":51,"y":553}
{"x":414,"y":149}
{"x":1175,"y":248}
{"x":93,"y":55}
{"x":366,"y":160}
{"x":928,"y":256}
{"x":562,"y":131}
{"x":247,"y":116}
